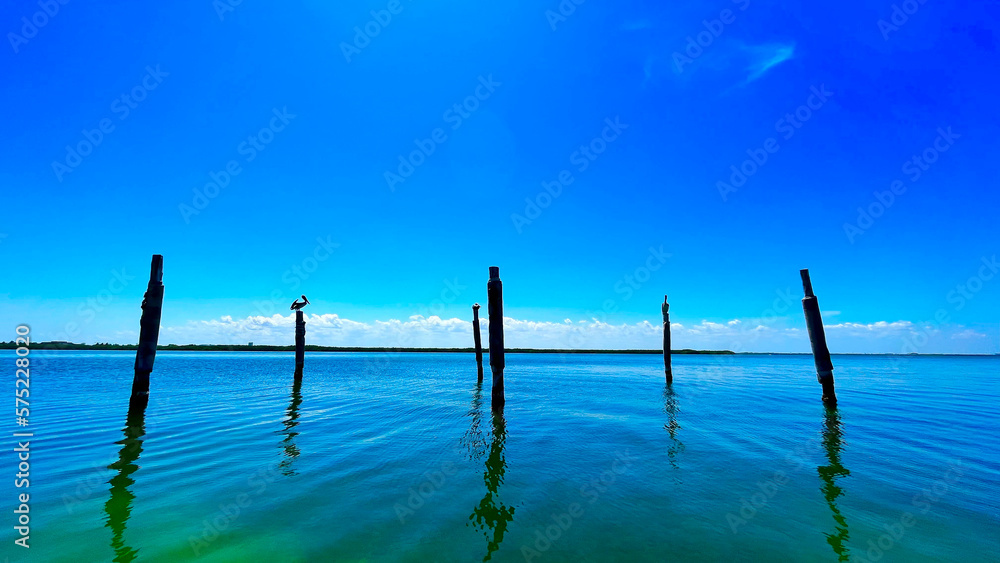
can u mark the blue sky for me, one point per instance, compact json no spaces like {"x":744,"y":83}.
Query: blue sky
{"x":704,"y":150}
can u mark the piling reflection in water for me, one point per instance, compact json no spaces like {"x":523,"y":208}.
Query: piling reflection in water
{"x":119,"y":505}
{"x":291,"y":451}
{"x":491,"y":516}
{"x":832,"y":434}
{"x":671,"y":407}
{"x":473,"y":440}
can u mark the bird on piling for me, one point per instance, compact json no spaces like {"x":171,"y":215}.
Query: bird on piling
{"x":296,"y":305}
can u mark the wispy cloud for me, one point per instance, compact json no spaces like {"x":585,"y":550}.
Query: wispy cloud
{"x":728,"y":59}
{"x":766,"y":57}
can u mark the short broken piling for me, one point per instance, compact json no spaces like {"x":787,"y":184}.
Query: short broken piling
{"x":817,"y":338}
{"x":478,"y":339}
{"x":494,"y":292}
{"x":149,"y":330}
{"x":666,"y":340}
{"x":300,"y":343}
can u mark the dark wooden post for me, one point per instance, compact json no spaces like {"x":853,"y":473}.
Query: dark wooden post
{"x":479,"y":340}
{"x":817,"y":338}
{"x":666,"y":340}
{"x":149,"y":329}
{"x":494,"y":293}
{"x":300,"y":343}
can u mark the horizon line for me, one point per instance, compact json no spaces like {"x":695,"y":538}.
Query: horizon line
{"x":59,"y":345}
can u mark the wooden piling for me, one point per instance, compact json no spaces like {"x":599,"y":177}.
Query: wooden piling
{"x":478,"y":339}
{"x":817,"y":338}
{"x":666,"y":341}
{"x":494,"y":292}
{"x":149,"y":330}
{"x":300,"y":343}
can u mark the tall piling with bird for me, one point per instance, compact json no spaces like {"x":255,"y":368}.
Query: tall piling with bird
{"x":478,"y":340}
{"x":817,"y":338}
{"x":300,"y":335}
{"x":494,"y":293}
{"x":666,"y":340}
{"x":149,"y":330}
{"x":300,"y":343}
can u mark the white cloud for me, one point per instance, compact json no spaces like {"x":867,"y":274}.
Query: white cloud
{"x":740,"y":335}
{"x":881,"y":328}
{"x":969,"y":334}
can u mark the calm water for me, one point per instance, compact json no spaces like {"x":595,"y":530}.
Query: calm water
{"x":397,"y":458}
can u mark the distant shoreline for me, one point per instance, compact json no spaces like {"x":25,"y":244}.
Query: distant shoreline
{"x":314,"y":348}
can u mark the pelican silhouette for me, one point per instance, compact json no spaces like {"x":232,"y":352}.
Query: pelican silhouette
{"x":296,"y":305}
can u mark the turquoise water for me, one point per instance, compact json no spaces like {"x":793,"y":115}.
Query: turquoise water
{"x":396,"y":457}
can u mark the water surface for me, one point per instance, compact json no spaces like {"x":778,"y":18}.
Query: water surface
{"x":396,"y":457}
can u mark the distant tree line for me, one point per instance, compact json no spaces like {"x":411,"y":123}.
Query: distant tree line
{"x":313,"y":348}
